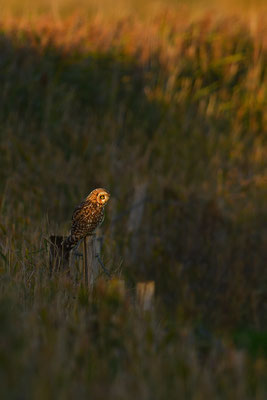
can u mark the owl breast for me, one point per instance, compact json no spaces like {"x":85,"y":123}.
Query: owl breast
{"x":86,"y":218}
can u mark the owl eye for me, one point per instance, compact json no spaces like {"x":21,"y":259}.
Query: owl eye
{"x":102,"y":196}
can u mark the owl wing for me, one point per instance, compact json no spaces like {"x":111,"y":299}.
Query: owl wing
{"x":79,"y":221}
{"x":79,"y":213}
{"x":102,"y":217}
{"x":85,"y":219}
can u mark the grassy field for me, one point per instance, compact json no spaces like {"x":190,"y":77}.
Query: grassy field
{"x":166,"y":105}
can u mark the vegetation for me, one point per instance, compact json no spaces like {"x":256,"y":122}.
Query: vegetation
{"x":172,"y":109}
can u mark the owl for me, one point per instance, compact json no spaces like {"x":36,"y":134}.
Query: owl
{"x":87,"y":217}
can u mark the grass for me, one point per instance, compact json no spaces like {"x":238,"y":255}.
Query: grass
{"x":172,"y":109}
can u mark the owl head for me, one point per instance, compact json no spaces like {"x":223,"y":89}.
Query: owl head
{"x":99,"y":196}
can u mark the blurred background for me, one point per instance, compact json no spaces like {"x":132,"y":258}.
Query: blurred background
{"x":164,"y":104}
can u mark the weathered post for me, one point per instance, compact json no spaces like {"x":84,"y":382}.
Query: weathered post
{"x":59,"y":257}
{"x":135,"y":219}
{"x":85,"y":263}
{"x":90,"y":262}
{"x":145,"y":292}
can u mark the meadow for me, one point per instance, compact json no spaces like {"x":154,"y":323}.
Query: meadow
{"x":167,"y":110}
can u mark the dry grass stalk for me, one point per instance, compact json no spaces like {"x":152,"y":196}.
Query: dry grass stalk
{"x":57,"y":257}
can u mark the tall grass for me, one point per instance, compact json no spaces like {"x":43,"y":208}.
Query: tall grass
{"x":176,"y":105}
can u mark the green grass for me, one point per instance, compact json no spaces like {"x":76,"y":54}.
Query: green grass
{"x":179,"y":106}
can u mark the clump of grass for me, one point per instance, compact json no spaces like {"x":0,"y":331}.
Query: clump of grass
{"x":178,"y":108}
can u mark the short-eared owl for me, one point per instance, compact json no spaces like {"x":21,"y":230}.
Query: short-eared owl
{"x":87,"y":217}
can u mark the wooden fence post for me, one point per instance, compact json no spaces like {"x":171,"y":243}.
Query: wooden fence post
{"x":145,"y":292}
{"x":59,"y":257}
{"x":90,"y":262}
{"x":135,"y":219}
{"x":86,"y":272}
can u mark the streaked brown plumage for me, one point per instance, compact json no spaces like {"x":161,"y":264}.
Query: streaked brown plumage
{"x":87,"y":217}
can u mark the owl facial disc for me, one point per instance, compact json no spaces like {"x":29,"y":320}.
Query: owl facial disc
{"x":103,"y":197}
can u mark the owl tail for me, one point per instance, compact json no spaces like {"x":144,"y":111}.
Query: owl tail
{"x":70,"y":243}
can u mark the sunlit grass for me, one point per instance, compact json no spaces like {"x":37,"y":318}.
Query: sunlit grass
{"x":60,"y":9}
